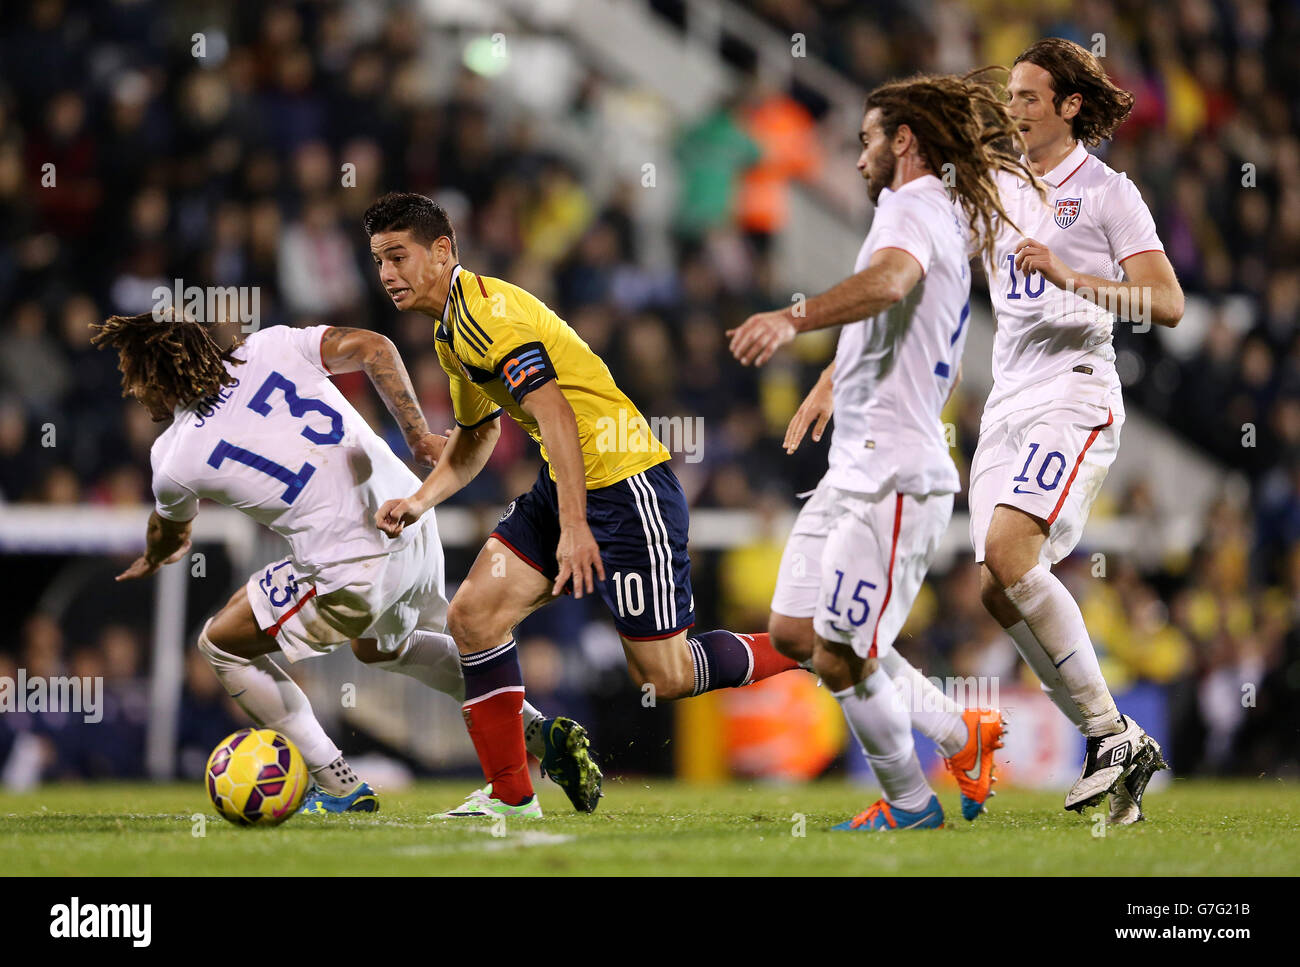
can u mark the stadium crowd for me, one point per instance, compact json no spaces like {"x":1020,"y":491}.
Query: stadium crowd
{"x":250,"y":167}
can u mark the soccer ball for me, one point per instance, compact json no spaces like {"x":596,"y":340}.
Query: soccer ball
{"x":257,"y":777}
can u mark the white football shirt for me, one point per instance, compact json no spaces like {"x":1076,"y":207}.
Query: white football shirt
{"x":894,"y":372}
{"x":1094,"y":219}
{"x":286,"y":448}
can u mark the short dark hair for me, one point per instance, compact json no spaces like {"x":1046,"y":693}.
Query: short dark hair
{"x":1075,"y":70}
{"x":405,"y":211}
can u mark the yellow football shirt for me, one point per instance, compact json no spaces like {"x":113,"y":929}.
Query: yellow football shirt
{"x":497,"y":343}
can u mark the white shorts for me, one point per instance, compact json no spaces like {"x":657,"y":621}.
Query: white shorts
{"x":800,"y":576}
{"x":385,"y":597}
{"x":855,"y":563}
{"x":1048,"y":460}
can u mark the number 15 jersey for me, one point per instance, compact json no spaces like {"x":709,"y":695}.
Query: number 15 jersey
{"x":285,"y":447}
{"x":893,"y":372}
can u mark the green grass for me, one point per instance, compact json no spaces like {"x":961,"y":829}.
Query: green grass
{"x":651,"y":827}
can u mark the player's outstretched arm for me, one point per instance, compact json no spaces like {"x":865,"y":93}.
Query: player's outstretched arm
{"x":467,"y":451}
{"x":577,"y":552}
{"x":1150,"y":292}
{"x":345,"y":350}
{"x":888,"y":278}
{"x":814,"y":411}
{"x":165,"y":543}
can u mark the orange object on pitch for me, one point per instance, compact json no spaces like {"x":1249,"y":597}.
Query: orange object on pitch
{"x":782,"y":728}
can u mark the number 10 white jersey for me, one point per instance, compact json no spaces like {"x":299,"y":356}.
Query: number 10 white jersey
{"x":286,"y":448}
{"x":1094,"y":219}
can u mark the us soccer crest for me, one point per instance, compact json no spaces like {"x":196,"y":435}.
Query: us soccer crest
{"x":1067,"y":210}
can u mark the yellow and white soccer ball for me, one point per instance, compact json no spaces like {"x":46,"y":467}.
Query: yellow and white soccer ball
{"x":257,"y":777}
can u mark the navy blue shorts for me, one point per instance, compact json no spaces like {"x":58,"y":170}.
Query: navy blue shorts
{"x":640,"y":525}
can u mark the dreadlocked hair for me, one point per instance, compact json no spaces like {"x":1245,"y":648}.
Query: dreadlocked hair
{"x":965,"y":135}
{"x":168,"y":351}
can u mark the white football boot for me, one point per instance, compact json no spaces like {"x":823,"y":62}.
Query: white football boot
{"x":1107,"y":759}
{"x":1126,"y":799}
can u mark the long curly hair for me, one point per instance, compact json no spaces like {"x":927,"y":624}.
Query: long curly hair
{"x":168,"y":351}
{"x":960,"y":122}
{"x":1075,"y":70}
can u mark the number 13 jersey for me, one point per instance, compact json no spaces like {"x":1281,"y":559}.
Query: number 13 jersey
{"x":286,"y":448}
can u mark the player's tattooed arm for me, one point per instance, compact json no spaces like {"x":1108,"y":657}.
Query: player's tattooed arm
{"x":888,"y":278}
{"x":166,"y":542}
{"x":345,"y":350}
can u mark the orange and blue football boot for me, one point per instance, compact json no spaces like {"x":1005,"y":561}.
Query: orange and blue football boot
{"x":881,"y":815}
{"x":361,"y":800}
{"x":973,"y":765}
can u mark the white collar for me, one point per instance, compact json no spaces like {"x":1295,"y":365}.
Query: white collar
{"x":1068,"y":166}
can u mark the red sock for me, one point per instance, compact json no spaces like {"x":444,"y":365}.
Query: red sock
{"x":496,"y":727}
{"x":767,"y":660}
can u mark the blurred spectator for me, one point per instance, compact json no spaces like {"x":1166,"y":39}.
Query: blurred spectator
{"x":786,"y":135}
{"x":712,"y":153}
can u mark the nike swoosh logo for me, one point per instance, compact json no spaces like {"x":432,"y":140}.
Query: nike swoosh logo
{"x":1064,"y":660}
{"x":843,"y":631}
{"x":979,"y":754}
{"x":1030,"y":493}
{"x":239,"y":693}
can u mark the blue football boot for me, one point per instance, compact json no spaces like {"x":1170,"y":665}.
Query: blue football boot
{"x":319,"y":802}
{"x":881,"y":815}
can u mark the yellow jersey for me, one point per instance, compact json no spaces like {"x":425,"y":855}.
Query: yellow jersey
{"x":497,"y":343}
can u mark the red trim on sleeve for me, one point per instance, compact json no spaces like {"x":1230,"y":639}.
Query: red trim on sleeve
{"x":479,"y":279}
{"x":322,"y":352}
{"x":889,"y":581}
{"x":900,"y":248}
{"x":1074,"y":172}
{"x":275,"y":628}
{"x":1143,"y":252}
{"x":1110,"y":418}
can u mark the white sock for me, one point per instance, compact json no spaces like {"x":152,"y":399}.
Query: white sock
{"x":879,"y":719}
{"x":1032,"y":652}
{"x":273,"y":700}
{"x":337,"y":778}
{"x":934,"y":714}
{"x":434,"y":660}
{"x":534,"y":740}
{"x":1056,"y":621}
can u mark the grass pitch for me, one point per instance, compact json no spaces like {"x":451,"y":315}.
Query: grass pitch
{"x":649,"y":826}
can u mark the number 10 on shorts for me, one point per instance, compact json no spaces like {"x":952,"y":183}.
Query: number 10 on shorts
{"x":629,"y":593}
{"x":857,"y":619}
{"x":1053,"y":465}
